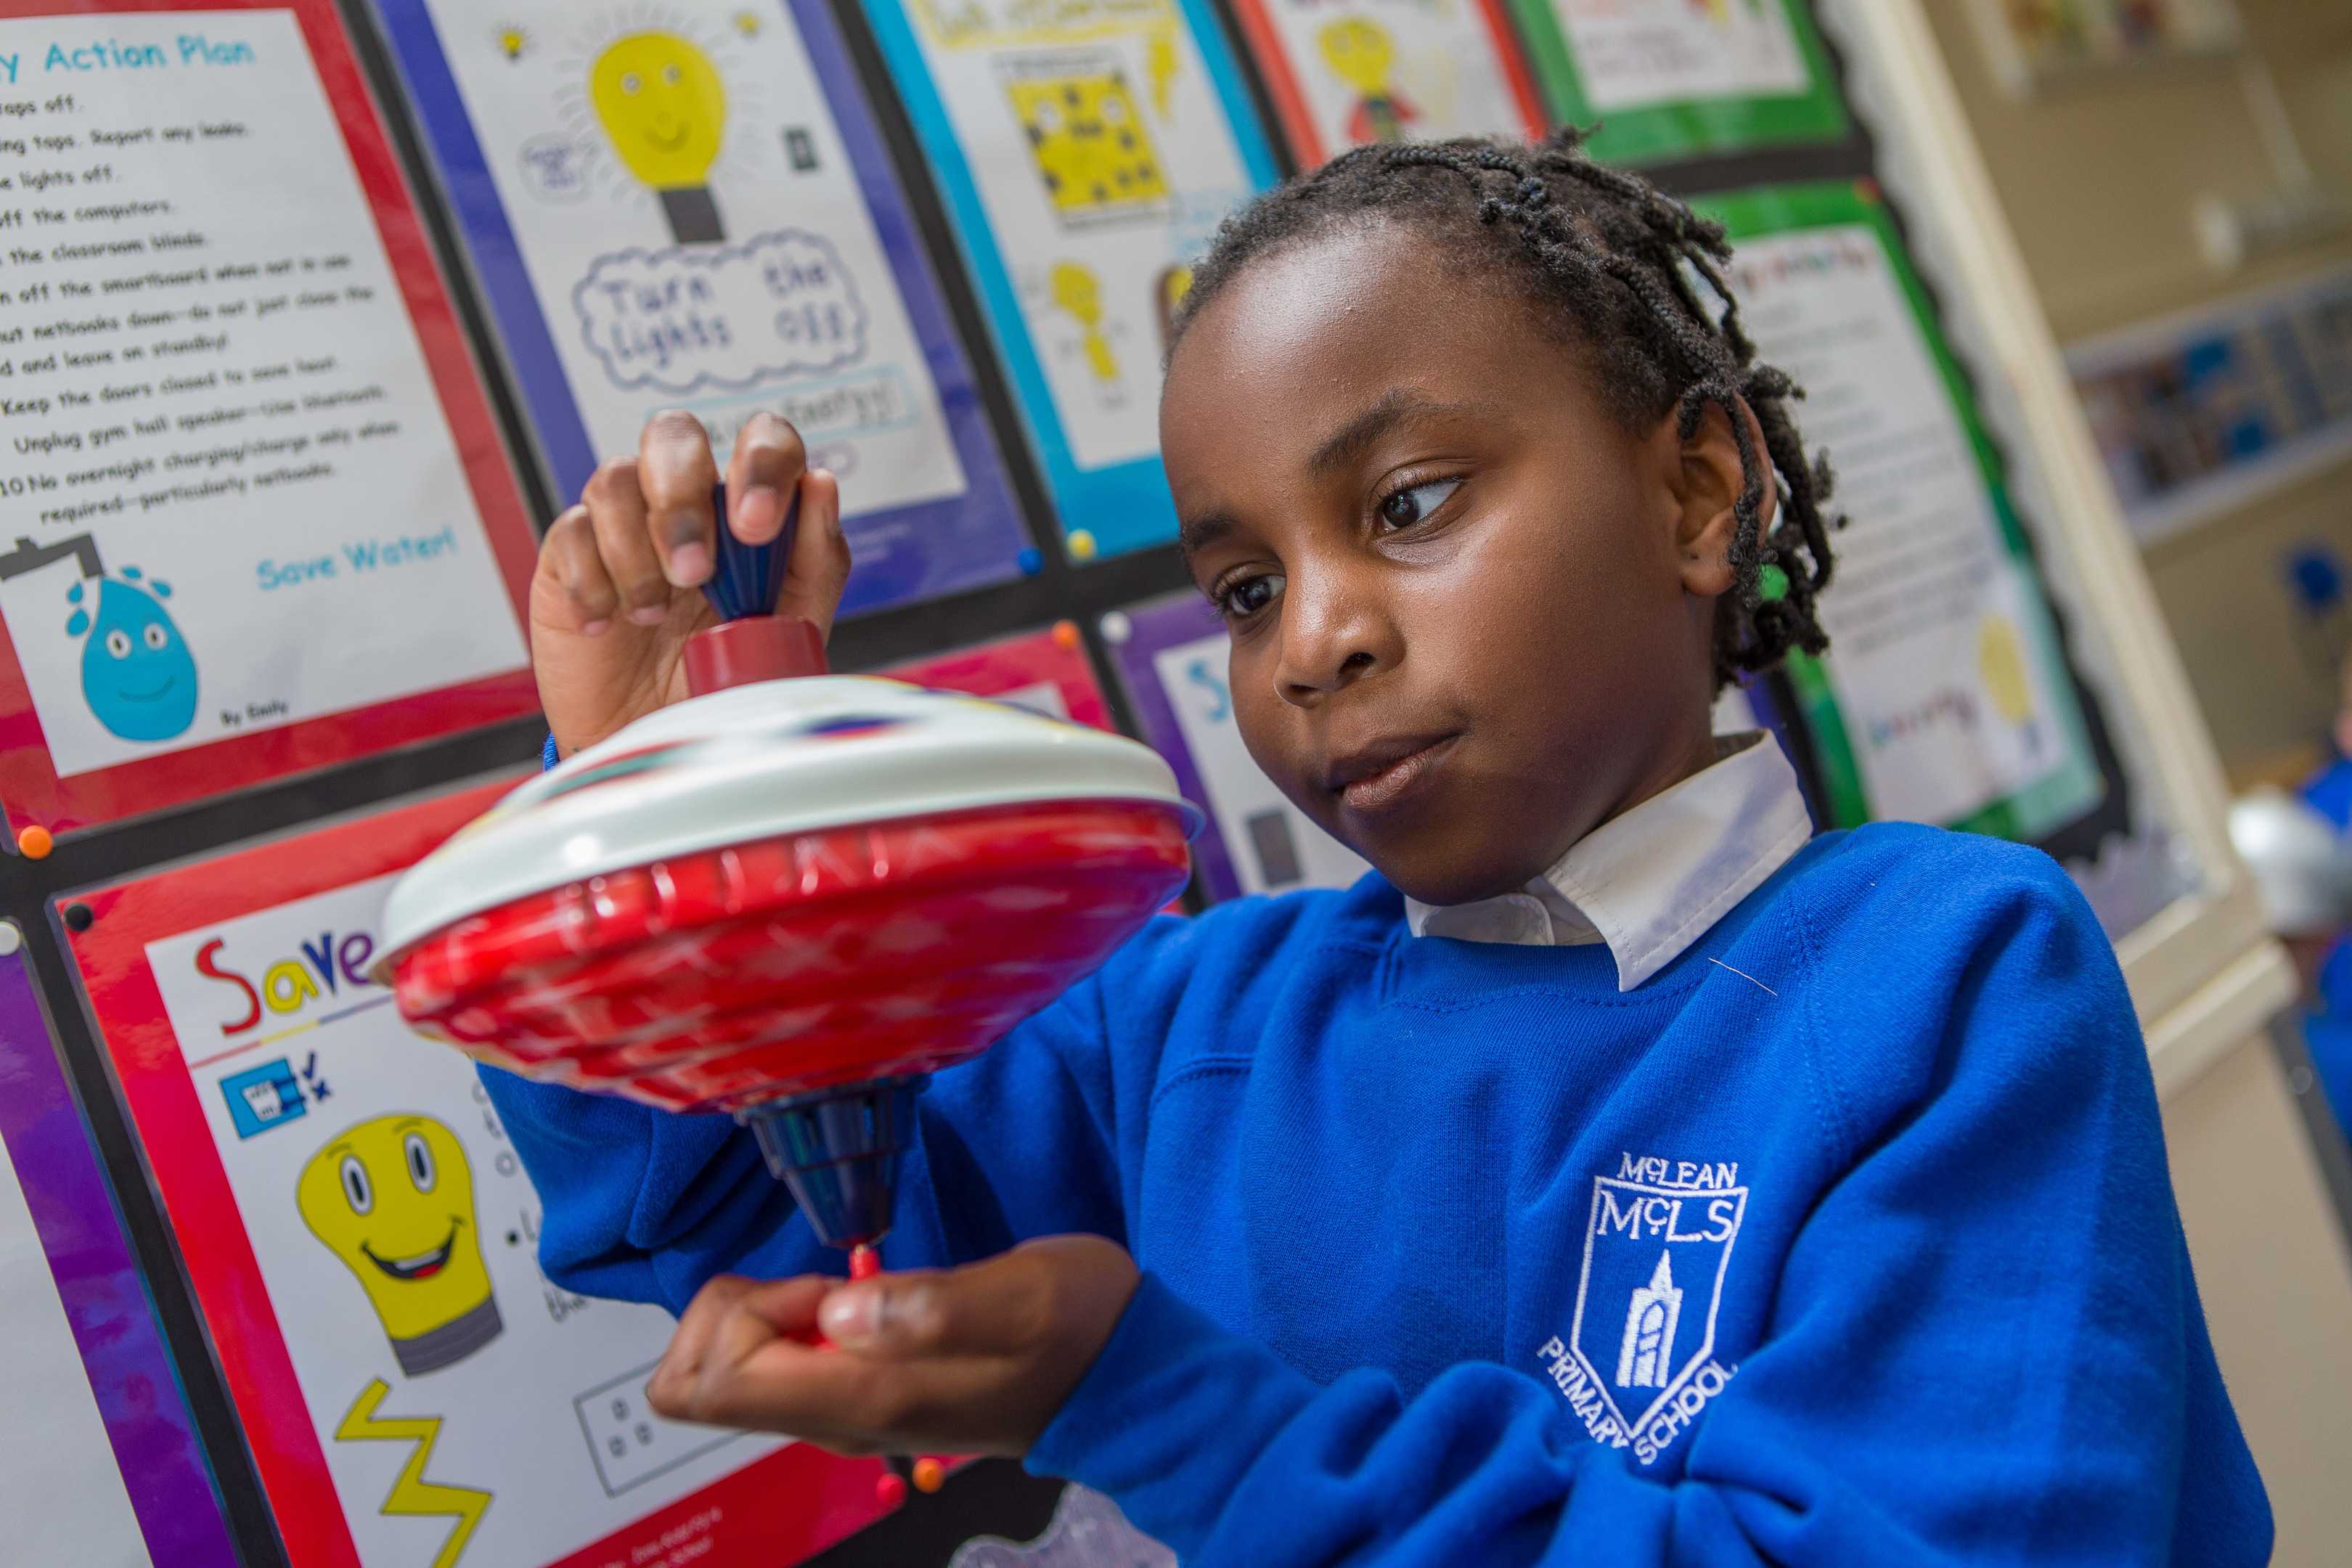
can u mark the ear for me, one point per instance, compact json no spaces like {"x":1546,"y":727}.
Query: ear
{"x":1706,"y":483}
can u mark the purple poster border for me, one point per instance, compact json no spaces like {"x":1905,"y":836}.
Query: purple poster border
{"x":1149,"y":628}
{"x":130,"y":1371}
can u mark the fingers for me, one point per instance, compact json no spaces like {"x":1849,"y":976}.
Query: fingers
{"x":818,"y":568}
{"x":675,"y":473}
{"x":767,"y":463}
{"x":616,"y":515}
{"x":729,"y":1321}
{"x":569,"y":558}
{"x":1007,"y":1306}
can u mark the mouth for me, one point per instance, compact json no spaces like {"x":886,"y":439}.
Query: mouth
{"x":423,"y":1266}
{"x":1375,"y":777}
{"x":146,"y":696}
{"x":667,"y":133}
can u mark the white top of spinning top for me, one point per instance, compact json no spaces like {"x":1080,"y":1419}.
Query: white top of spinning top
{"x":776,"y":757}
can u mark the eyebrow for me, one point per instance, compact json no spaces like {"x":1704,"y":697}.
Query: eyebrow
{"x":1397,"y":407}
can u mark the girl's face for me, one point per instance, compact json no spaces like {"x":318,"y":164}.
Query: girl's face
{"x":1471,"y":612}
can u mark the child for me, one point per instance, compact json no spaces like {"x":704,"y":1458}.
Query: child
{"x":1621,"y":1174}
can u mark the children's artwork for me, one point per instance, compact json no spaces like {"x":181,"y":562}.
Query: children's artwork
{"x":1172,"y":654}
{"x":99,"y":1461}
{"x":258,"y":518}
{"x":1945,"y":697}
{"x":1358,"y":71}
{"x":1086,"y":151}
{"x":2031,"y":43}
{"x":2205,"y":412}
{"x":690,"y":208}
{"x":1668,"y":78}
{"x":362,"y":1242}
{"x":1047,"y":672}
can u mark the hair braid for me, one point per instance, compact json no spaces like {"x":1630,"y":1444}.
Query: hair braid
{"x":1634,"y":277}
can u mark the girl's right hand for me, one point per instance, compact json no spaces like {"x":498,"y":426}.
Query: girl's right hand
{"x":619,"y":585}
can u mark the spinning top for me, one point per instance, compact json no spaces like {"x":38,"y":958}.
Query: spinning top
{"x":788,"y":898}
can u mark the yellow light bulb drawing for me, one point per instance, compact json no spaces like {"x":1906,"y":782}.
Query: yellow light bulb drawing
{"x":1361,"y":53}
{"x":393,"y":1199}
{"x":1077,"y":290}
{"x":664,"y":107}
{"x":2000,"y":662}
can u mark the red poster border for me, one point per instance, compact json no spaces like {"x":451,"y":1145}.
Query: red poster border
{"x":781,"y":1506}
{"x":31,"y":792}
{"x":1266,"y":47}
{"x":1008,"y":664}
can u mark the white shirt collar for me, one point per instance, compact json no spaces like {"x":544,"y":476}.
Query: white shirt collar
{"x":1652,"y":881}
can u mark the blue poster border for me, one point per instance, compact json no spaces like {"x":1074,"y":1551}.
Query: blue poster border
{"x":1125,"y":506}
{"x":906,"y":555}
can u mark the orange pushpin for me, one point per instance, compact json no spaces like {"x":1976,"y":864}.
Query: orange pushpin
{"x":1065,"y":636}
{"x":930,"y":1474}
{"x":34,"y":842}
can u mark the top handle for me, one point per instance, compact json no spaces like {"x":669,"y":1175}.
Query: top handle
{"x":750,"y":642}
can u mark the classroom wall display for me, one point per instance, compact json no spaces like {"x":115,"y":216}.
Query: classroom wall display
{"x":255,"y":516}
{"x":2201,"y":413}
{"x":361,"y":1240}
{"x":2036,"y":43}
{"x":690,"y":206}
{"x":1945,"y":697}
{"x":1044,"y":672}
{"x":1086,"y":151}
{"x":1668,"y":78}
{"x":98,"y":1460}
{"x":1360,"y":71}
{"x":1172,"y":654}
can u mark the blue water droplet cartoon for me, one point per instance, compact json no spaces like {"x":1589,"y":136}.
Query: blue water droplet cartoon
{"x":131,"y":573}
{"x":137,"y":674}
{"x":161,"y":588}
{"x":73,"y":594}
{"x":76,"y":622}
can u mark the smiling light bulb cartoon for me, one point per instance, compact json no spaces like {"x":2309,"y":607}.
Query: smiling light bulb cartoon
{"x":393,"y":1199}
{"x":137,"y":674}
{"x":663,"y":104}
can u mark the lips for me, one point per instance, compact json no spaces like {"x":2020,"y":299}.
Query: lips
{"x":423,"y":1266}
{"x":148,"y":696}
{"x":1376,"y":777}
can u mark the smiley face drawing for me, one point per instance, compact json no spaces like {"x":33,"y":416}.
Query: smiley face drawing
{"x":393,"y":1199}
{"x":137,"y":674}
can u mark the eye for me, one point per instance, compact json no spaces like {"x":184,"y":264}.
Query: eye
{"x":357,"y":1189}
{"x":153,"y":636}
{"x":672,"y":75}
{"x":630,"y":81}
{"x":420,"y":1161}
{"x":118,"y":643}
{"x":1239,"y":601}
{"x":1405,"y":508}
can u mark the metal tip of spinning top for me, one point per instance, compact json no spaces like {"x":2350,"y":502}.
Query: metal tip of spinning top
{"x":838,"y":1150}
{"x":752,"y":642}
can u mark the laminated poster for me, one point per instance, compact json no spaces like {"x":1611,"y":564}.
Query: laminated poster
{"x":1086,"y":151}
{"x":1172,"y":654}
{"x":1675,"y":78}
{"x":1945,"y":697}
{"x":362,"y":1242}
{"x":98,"y":1462}
{"x":689,"y":206}
{"x":254,"y":514}
{"x":1047,"y":672}
{"x":1361,"y":71}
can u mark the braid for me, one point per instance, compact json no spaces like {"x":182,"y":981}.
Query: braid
{"x":1632,"y":276}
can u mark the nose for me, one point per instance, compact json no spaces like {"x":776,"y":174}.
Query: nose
{"x":1334,"y":634}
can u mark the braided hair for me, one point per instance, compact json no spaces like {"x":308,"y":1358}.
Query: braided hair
{"x":1614,"y":267}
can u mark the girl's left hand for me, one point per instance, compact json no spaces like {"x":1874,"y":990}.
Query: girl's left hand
{"x":974,"y":1360}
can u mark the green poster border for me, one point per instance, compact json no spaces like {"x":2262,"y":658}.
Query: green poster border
{"x":1693,"y":126}
{"x":2075,"y":786}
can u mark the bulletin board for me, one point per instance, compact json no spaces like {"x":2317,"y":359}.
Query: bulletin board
{"x":1945,"y":697}
{"x":99,"y":1457}
{"x":262,"y":520}
{"x":1680,"y":78}
{"x":359,"y":1238}
{"x":1389,"y":71}
{"x":693,"y":208}
{"x":1045,"y":671}
{"x":1086,"y":155}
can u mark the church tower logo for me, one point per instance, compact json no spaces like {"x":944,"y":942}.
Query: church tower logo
{"x":1651,"y":1318}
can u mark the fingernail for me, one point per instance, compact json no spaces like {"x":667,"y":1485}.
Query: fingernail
{"x":759,"y":511}
{"x":689,"y":563}
{"x":649,"y":614}
{"x":851,"y":1315}
{"x":596,"y":628}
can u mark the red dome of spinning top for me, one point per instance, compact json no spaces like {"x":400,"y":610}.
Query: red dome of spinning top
{"x":784,"y":888}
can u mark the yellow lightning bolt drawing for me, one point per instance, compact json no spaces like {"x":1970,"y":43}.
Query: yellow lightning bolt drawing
{"x":411,"y":1493}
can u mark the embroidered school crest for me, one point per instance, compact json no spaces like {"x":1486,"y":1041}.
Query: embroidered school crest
{"x":1638,"y":1363}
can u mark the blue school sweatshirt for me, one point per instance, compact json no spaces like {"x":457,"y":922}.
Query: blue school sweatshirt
{"x":1846,"y":1238}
